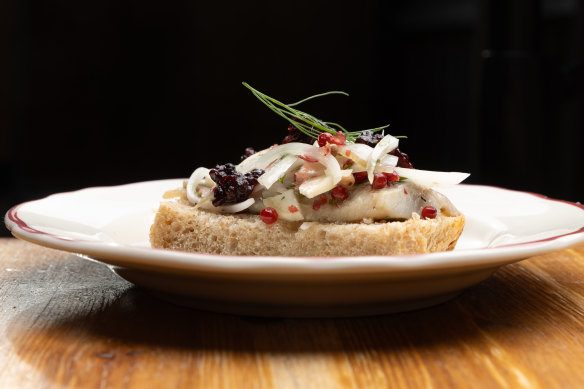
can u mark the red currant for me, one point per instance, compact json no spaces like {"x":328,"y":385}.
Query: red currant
{"x":325,"y":138}
{"x":269,"y":215}
{"x":379,"y":181}
{"x":360,"y":177}
{"x":319,"y":202}
{"x":339,"y":193}
{"x":391,"y":177}
{"x":339,"y":138}
{"x":429,"y":212}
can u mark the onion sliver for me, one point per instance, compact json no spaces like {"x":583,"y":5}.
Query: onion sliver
{"x":389,"y":159}
{"x":199,"y":176}
{"x":387,"y":164}
{"x":315,"y":186}
{"x":333,"y":170}
{"x":385,"y":145}
{"x":234,"y":208}
{"x":247,"y":164}
{"x":360,"y":153}
{"x":273,"y":155}
{"x":276,"y":171}
{"x":430,"y":178}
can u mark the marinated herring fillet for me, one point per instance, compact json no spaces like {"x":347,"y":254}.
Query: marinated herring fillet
{"x":178,"y":226}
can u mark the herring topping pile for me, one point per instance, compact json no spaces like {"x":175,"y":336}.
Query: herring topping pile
{"x":321,"y":172}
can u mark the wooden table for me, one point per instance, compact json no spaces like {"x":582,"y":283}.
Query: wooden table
{"x":71,"y":323}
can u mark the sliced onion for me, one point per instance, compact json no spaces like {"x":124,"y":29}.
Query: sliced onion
{"x":277,"y":170}
{"x":274,"y":154}
{"x":315,"y":186}
{"x":389,"y":159}
{"x":430,"y":178}
{"x":247,"y":164}
{"x":322,"y":184}
{"x":199,"y":176}
{"x":387,"y":164}
{"x":385,"y":145}
{"x":276,"y":188}
{"x":333,"y":170}
{"x":234,"y":208}
{"x":360,"y":153}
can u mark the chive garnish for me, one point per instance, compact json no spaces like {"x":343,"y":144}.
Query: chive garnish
{"x":305,"y":122}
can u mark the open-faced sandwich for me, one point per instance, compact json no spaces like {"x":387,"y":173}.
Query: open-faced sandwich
{"x":323,"y":191}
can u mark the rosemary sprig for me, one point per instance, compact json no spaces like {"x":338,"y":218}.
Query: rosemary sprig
{"x":303,"y":121}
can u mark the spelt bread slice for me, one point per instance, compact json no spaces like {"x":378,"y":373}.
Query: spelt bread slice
{"x":179,"y":226}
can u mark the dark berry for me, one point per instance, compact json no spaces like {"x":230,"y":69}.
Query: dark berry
{"x":233,"y":187}
{"x":295,"y":135}
{"x":402,"y":159}
{"x":248,"y":152}
{"x":369,"y":138}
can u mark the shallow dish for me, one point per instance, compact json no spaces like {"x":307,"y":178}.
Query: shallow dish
{"x":111,"y":224}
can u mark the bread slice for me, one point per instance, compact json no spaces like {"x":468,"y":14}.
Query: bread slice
{"x":179,"y":226}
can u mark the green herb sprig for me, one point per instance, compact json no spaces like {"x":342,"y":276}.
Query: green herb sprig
{"x":304,"y":122}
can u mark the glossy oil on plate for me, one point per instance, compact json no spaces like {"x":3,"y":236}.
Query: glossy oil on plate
{"x":111,"y":225}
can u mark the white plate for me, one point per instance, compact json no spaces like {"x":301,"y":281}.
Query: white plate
{"x":111,"y":224}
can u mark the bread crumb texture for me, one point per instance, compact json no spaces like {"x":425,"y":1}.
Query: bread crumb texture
{"x":179,"y":226}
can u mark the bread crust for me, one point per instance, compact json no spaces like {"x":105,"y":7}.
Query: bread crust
{"x":179,"y":226}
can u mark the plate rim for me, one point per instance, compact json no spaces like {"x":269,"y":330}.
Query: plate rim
{"x":117,"y":254}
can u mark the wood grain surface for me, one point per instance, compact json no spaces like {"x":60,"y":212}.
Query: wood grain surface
{"x":71,"y":323}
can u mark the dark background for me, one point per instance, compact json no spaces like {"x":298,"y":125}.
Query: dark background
{"x":110,"y":92}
